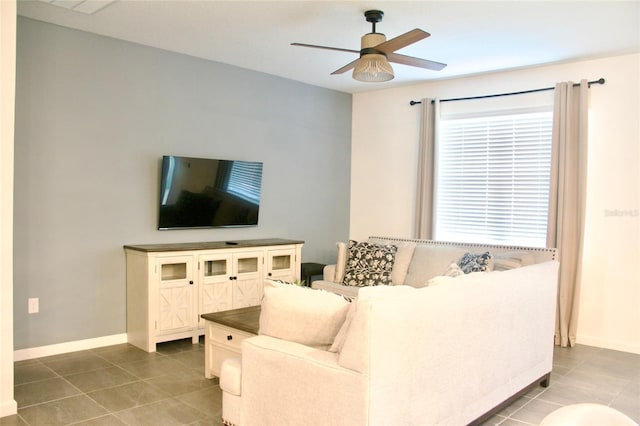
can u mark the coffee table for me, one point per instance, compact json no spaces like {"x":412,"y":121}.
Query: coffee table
{"x":224,"y":333}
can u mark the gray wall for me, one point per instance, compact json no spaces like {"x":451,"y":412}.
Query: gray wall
{"x":94,"y":116}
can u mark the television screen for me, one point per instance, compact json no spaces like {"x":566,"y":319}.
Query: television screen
{"x":205,"y":193}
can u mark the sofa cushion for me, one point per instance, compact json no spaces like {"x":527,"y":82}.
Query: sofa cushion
{"x":453,"y":270}
{"x":341,"y":262}
{"x":448,"y":279}
{"x":369,"y":264}
{"x":442,"y":279}
{"x":430,"y":261}
{"x":480,"y":262}
{"x":302,"y":315}
{"x":338,"y":342}
{"x":402,"y":262}
{"x":231,"y":376}
{"x":512,"y":259}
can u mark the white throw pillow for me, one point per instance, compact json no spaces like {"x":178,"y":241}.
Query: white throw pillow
{"x":338,"y":342}
{"x":341,"y":262}
{"x":453,"y":271}
{"x":401,"y":263}
{"x":442,"y":279}
{"x":448,"y":279}
{"x":302,"y":315}
{"x":430,"y":261}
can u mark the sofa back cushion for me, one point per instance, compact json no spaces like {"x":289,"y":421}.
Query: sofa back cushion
{"x":430,"y":261}
{"x":302,"y":315}
{"x":503,"y":261}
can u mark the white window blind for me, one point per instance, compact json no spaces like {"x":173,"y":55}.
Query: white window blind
{"x":492,"y":178}
{"x":245,"y":180}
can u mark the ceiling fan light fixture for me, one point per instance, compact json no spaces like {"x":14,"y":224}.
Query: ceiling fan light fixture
{"x":373,"y":63}
{"x":373,"y":68}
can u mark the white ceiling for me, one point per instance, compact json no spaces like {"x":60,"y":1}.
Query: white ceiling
{"x":470,"y":36}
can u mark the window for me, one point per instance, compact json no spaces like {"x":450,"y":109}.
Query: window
{"x":492,"y":178}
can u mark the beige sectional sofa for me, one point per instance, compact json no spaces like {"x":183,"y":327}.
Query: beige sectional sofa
{"x":446,"y":353}
{"x":418,"y":261}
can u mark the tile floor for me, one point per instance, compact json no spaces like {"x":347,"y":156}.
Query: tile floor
{"x":122,"y":385}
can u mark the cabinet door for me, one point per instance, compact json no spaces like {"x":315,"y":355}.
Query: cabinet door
{"x":175,"y":294}
{"x":216,"y":289}
{"x":281,"y":264}
{"x":247,"y":279}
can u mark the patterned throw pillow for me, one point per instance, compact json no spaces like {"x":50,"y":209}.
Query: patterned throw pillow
{"x":369,"y":264}
{"x":475,"y":262}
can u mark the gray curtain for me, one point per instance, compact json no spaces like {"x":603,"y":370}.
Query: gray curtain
{"x":565,"y":229}
{"x":424,"y":197}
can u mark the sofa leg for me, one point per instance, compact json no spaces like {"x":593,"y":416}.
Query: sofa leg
{"x":546,"y":380}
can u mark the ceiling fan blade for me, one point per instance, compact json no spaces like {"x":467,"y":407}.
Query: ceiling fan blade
{"x":402,"y":40}
{"x":326,"y":48}
{"x":415,"y":62}
{"x":347,"y":67}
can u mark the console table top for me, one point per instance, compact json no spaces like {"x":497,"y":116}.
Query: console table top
{"x":209,"y":245}
{"x":245,"y":319}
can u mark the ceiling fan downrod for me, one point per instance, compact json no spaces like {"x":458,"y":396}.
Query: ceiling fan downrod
{"x":373,"y":16}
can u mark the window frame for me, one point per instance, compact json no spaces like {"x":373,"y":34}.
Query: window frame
{"x":488,"y":237}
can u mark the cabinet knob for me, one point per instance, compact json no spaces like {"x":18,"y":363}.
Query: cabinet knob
{"x":191,"y":282}
{"x":269,"y":274}
{"x":229,"y":337}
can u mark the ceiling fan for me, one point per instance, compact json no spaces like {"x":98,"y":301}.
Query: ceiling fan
{"x":376,"y":53}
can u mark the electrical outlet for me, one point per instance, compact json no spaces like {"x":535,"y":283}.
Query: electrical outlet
{"x":34,"y":305}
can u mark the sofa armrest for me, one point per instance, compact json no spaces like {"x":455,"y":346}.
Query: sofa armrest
{"x":329,"y":273}
{"x":288,"y":383}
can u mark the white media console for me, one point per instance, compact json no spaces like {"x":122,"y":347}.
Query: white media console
{"x":170,"y":285}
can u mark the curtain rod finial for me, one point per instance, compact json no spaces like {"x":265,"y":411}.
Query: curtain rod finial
{"x":412,"y":103}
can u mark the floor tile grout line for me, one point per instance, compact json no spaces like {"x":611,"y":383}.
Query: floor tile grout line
{"x":570,"y":364}
{"x":115,"y":412}
{"x":55,"y":399}
{"x":51,"y":400}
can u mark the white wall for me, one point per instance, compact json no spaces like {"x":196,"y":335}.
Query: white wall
{"x":8,"y":405}
{"x":383,"y":175}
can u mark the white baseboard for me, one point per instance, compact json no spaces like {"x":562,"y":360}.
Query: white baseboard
{"x":608,"y":344}
{"x":8,"y":408}
{"x":63,"y":348}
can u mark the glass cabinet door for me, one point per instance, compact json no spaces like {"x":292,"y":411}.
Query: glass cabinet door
{"x":216,"y":287}
{"x":247,"y":282}
{"x":175,"y":294}
{"x":281,"y":264}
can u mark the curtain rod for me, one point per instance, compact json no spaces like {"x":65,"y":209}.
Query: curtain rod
{"x":599,"y":81}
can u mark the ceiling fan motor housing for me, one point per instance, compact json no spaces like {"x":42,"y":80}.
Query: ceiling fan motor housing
{"x":368,"y":42}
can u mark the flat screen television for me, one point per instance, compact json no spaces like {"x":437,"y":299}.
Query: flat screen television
{"x":208,"y":193}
